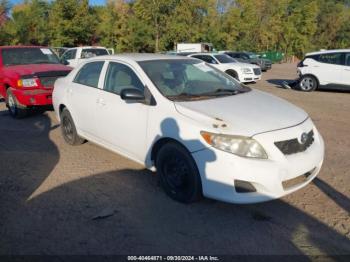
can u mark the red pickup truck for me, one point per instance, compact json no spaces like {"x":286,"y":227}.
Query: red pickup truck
{"x":27,"y":75}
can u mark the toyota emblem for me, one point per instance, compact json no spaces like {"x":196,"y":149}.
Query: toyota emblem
{"x":303,"y":138}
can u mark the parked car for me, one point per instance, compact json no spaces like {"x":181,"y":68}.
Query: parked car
{"x":251,"y":58}
{"x":27,"y":75}
{"x":243,"y":72}
{"x":74,"y":56}
{"x":200,"y":129}
{"x":325,"y":69}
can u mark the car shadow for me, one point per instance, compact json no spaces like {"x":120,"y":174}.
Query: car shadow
{"x":27,"y":157}
{"x":126,"y":212}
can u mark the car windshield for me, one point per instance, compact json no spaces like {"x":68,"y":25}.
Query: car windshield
{"x":225,"y":59}
{"x":92,"y":52}
{"x":30,"y":55}
{"x":187,"y":79}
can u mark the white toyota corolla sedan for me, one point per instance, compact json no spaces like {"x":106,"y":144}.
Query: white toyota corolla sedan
{"x":203,"y":132}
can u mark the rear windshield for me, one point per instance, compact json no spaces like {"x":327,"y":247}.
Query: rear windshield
{"x":26,"y":56}
{"x":92,"y":52}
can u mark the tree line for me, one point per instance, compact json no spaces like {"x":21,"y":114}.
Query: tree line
{"x":290,"y":26}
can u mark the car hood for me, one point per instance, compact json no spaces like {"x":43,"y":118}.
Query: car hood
{"x":34,"y":69}
{"x":245,"y":114}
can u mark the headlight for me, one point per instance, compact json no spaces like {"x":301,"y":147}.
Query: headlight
{"x":27,"y":82}
{"x":246,"y":70}
{"x":238,"y":145}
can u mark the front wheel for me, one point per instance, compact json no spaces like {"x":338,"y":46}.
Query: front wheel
{"x":13,"y":106}
{"x":69,"y":131}
{"x":178,"y":173}
{"x":233,"y":74}
{"x":308,"y":83}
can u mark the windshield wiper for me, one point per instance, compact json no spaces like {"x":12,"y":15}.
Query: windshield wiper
{"x":222,"y":91}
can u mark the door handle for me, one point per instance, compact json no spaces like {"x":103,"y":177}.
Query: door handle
{"x":347,"y":69}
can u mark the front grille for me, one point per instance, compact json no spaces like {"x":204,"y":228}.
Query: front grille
{"x":257,"y":71}
{"x":48,"y":81}
{"x":293,"y":146}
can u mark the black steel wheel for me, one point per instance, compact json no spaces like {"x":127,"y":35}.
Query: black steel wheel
{"x":178,"y":173}
{"x":69,"y":131}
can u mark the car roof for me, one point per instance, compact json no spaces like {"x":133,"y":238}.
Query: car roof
{"x":207,"y":53}
{"x":138,"y":57}
{"x":328,"y":51}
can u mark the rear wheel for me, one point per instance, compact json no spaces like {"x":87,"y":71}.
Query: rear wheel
{"x":308,"y":83}
{"x":178,"y":173}
{"x":13,"y":106}
{"x":69,"y":130}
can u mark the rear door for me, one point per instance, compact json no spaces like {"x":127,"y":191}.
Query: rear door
{"x":83,"y":97}
{"x":329,"y":69}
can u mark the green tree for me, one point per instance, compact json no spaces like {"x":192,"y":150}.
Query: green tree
{"x":71,"y":23}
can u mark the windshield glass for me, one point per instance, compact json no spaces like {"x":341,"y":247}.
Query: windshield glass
{"x":225,"y":59}
{"x":30,"y":55}
{"x":189,"y":79}
{"x":92,"y":52}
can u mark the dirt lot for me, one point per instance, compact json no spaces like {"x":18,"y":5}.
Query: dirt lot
{"x":50,"y":193}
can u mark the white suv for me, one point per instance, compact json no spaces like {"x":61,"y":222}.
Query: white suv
{"x":325,"y":69}
{"x":243,"y":72}
{"x":73,"y":56}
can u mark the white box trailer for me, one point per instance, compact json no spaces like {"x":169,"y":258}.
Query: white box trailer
{"x":194,"y":47}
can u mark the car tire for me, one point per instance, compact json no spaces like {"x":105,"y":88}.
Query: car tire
{"x":233,"y":74}
{"x":69,"y":131}
{"x":13,"y":106}
{"x":178,"y":173}
{"x":308,"y":83}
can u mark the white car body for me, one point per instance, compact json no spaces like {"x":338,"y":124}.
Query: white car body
{"x":134,"y":129}
{"x":74,"y":56}
{"x":331,"y":68}
{"x":244,"y":72}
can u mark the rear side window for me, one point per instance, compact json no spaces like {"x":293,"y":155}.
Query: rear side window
{"x":331,"y":58}
{"x":206,"y":58}
{"x":89,"y":74}
{"x":119,"y":77}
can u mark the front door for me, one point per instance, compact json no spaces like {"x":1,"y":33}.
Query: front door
{"x":122,"y":125}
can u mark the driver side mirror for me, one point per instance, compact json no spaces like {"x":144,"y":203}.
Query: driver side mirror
{"x":132,"y":95}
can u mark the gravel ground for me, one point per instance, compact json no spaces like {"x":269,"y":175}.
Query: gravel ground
{"x":52,"y":196}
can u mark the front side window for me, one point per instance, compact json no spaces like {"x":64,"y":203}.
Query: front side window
{"x":70,"y":54}
{"x":331,"y":58}
{"x":30,"y":55}
{"x":92,"y":52}
{"x":89,"y":74}
{"x":189,"y":79}
{"x":119,"y":77}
